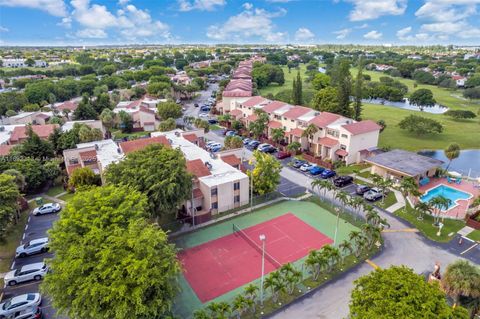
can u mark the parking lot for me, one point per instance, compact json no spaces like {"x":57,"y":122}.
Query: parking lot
{"x":37,"y":227}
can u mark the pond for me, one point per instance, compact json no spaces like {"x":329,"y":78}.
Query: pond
{"x":469,"y":160}
{"x":437,"y":109}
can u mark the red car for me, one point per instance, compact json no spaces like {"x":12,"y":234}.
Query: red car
{"x":282,"y":155}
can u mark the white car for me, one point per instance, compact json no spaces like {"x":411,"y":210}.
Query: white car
{"x":204,"y":115}
{"x":34,"y":246}
{"x":306,"y":167}
{"x":28,"y":272}
{"x":213,"y":145}
{"x":47,"y":209}
{"x":17,"y":306}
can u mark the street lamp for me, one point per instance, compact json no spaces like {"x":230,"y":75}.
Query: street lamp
{"x":337,"y":209}
{"x":263,"y":238}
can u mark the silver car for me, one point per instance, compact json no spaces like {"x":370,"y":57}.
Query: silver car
{"x":47,"y":209}
{"x":17,"y":306}
{"x":28,"y":272}
{"x":34,"y":246}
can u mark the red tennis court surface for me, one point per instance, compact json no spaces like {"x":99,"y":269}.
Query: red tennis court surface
{"x":221,"y":265}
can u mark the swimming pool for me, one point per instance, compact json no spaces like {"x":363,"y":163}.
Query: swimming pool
{"x":446,"y":191}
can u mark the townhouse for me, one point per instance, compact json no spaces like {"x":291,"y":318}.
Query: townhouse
{"x":19,"y":133}
{"x":143,"y":115}
{"x":240,"y":87}
{"x":337,"y":138}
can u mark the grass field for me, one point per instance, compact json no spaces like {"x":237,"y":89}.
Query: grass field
{"x":54,"y":191}
{"x":474,"y":235}
{"x":66,"y":197}
{"x":275,"y":88}
{"x":309,"y":212}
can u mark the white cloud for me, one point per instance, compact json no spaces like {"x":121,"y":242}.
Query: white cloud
{"x":373,"y":35}
{"x":137,"y":23}
{"x":203,"y":5}
{"x":402,"y":33}
{"x":248,"y":24}
{"x":92,"y":34}
{"x":3,"y":29}
{"x":54,"y":7}
{"x":92,"y":16}
{"x":342,"y":34}
{"x":363,"y":26}
{"x":66,"y":22}
{"x":123,"y":2}
{"x":304,"y":34}
{"x":373,"y":9}
{"x":247,"y":6}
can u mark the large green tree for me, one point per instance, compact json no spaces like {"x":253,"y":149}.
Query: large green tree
{"x":266,"y":173}
{"x":158,"y":172}
{"x":397,"y":292}
{"x":420,"y":125}
{"x":109,"y":262}
{"x":9,"y":194}
{"x":326,"y":100}
{"x":342,"y":80}
{"x":452,"y":151}
{"x":34,"y":146}
{"x":85,"y":110}
{"x":462,"y":282}
{"x":169,"y":110}
{"x":358,"y":92}
{"x":422,"y":98}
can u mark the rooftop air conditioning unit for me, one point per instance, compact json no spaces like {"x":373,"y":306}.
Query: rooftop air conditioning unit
{"x":96,"y":147}
{"x":2,"y":128}
{"x":177,"y":134}
{"x":208,"y":165}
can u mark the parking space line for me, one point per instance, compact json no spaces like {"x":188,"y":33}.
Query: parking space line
{"x":20,"y":286}
{"x":13,"y":265}
{"x":23,"y":237}
{"x":28,"y":220}
{"x":26,"y":227}
{"x":371,"y":263}
{"x":468,"y":249}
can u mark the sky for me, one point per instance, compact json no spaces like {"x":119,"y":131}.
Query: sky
{"x":91,"y":22}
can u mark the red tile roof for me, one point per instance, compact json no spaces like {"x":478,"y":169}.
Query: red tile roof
{"x":134,"y":104}
{"x":324,"y":119}
{"x":296,"y":111}
{"x":254,"y":101}
{"x":197,"y":193}
{"x":231,"y":160}
{"x":236,"y":112}
{"x":362,"y":127}
{"x":341,"y":152}
{"x":146,"y":109}
{"x":43,"y":131}
{"x":191,"y":137}
{"x":88,"y":155}
{"x":68,"y":105}
{"x":44,"y":116}
{"x":296,"y":132}
{"x":135,"y":145}
{"x":252,"y":118}
{"x":275,"y":105}
{"x":274,"y":124}
{"x":71,"y":168}
{"x":5,"y":149}
{"x":197,"y":168}
{"x":327,"y":141}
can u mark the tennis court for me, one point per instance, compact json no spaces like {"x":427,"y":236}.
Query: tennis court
{"x":218,"y":261}
{"x":228,"y":262}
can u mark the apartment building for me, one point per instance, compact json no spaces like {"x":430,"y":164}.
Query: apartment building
{"x":218,"y":185}
{"x":239,"y":89}
{"x":19,"y":133}
{"x":337,"y":137}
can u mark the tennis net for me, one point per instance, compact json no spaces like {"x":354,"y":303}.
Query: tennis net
{"x":241,"y":233}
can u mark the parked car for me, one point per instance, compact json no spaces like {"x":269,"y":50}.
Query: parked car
{"x":283,"y":155}
{"x":212,"y":121}
{"x":246,"y":141}
{"x":34,"y":246}
{"x":213,"y":145}
{"x":266,"y":148}
{"x":47,"y":208}
{"x":203,"y":115}
{"x":215,"y":148}
{"x":297,"y":163}
{"x":230,"y":133}
{"x":315,"y":170}
{"x":306,"y":167}
{"x":205,"y":108}
{"x":17,"y":305}
{"x":342,"y":181}
{"x":328,"y":173}
{"x":373,"y":194}
{"x":32,"y":312}
{"x":195,"y":104}
{"x":362,"y":189}
{"x":253,"y":144}
{"x":28,"y":272}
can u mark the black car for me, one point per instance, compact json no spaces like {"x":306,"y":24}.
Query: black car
{"x":253,"y":145}
{"x":362,"y":189}
{"x":212,"y":121}
{"x":297,"y":163}
{"x":342,"y":181}
{"x":205,"y":109}
{"x":195,"y":104}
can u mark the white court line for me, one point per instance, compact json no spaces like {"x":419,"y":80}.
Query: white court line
{"x":466,"y":250}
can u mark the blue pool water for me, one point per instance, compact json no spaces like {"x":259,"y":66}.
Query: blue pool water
{"x":447,"y":192}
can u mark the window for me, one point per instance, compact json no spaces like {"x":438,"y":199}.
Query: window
{"x":332,"y":132}
{"x":214,"y":192}
{"x":73,"y":161}
{"x":292,"y":121}
{"x":344,"y":136}
{"x":236,"y":186}
{"x":237,"y":199}
{"x":215,"y":205}
{"x":343,"y":147}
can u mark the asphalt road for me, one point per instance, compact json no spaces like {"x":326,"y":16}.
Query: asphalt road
{"x":37,"y":227}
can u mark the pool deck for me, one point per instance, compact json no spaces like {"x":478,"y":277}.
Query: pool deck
{"x":459,"y":211}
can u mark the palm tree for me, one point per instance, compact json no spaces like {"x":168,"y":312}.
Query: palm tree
{"x":382,"y":184}
{"x":408,"y":186}
{"x":294,"y":147}
{"x":224,"y":310}
{"x":250,"y":304}
{"x":371,"y":215}
{"x":451,"y":152}
{"x":108,"y":119}
{"x":201,"y":314}
{"x":331,"y":254}
{"x":355,"y":203}
{"x":462,"y":279}
{"x":422,"y":208}
{"x":277,"y":135}
{"x":310,"y":131}
{"x":251,"y":292}
{"x":292,"y":279}
{"x":322,"y":184}
{"x":312,"y":264}
{"x":343,"y":198}
{"x":214,"y":309}
{"x":269,"y":283}
{"x":280,"y":287}
{"x":439,"y":203}
{"x":239,"y":305}
{"x":356,"y":237}
{"x":345,"y":246}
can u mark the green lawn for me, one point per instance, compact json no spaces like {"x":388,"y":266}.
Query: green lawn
{"x":466,"y":133}
{"x":350,"y":169}
{"x":119,"y":134}
{"x":474,"y":235}
{"x":275,"y":88}
{"x":426,"y":225}
{"x":54,"y":191}
{"x":388,"y":201}
{"x":66,"y":197}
